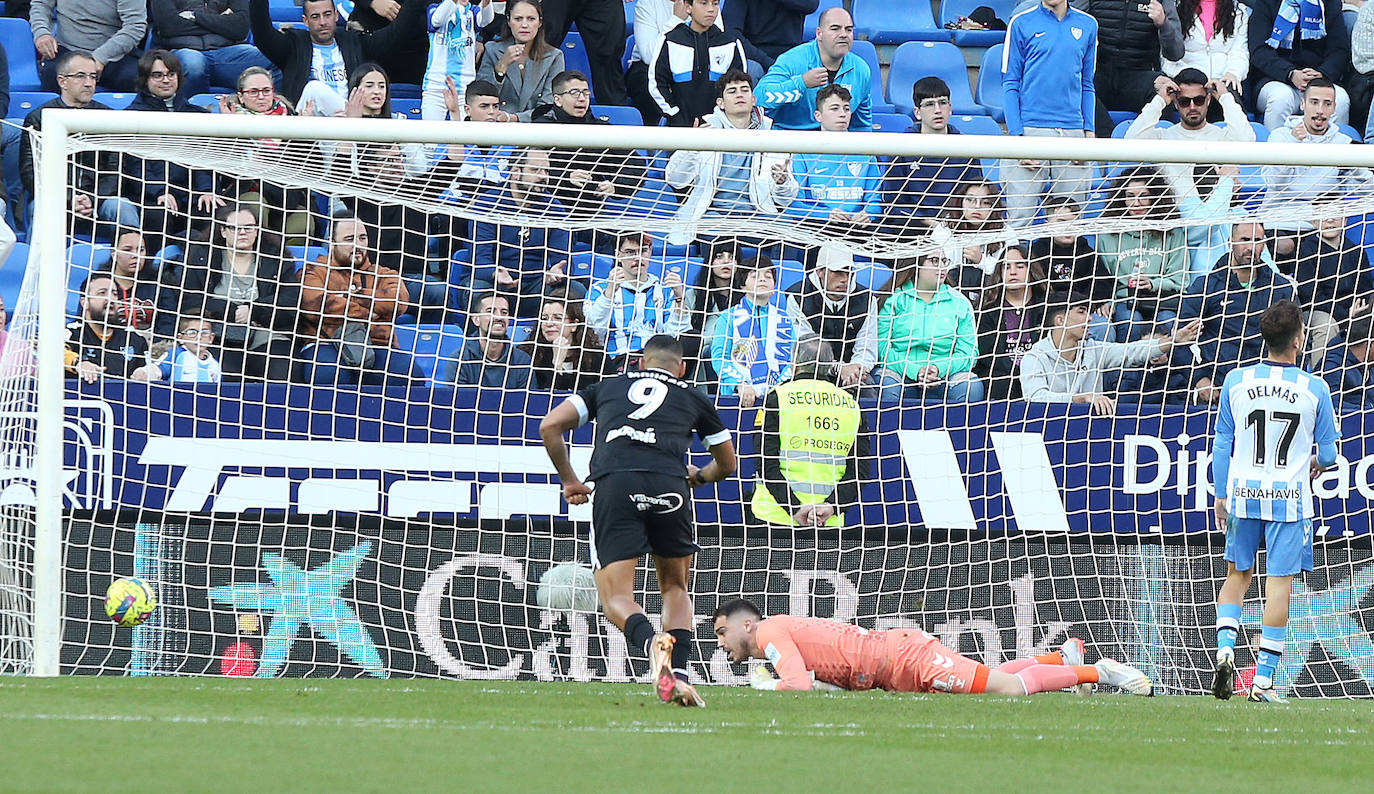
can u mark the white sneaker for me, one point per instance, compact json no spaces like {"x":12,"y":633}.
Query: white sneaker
{"x":1124,"y":676}
{"x":1072,"y":652}
{"x":1265,"y":695}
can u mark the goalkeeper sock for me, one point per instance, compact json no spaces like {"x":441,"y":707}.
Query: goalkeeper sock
{"x":1017,"y":665}
{"x":1053,"y":677}
{"x":1228,"y":626}
{"x":639,"y":632}
{"x":682,"y":651}
{"x":1272,"y":639}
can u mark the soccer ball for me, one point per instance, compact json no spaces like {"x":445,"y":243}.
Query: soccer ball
{"x":566,"y":588}
{"x":129,"y":601}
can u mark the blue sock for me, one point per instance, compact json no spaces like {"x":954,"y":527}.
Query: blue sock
{"x":1272,"y":639}
{"x":1228,"y":626}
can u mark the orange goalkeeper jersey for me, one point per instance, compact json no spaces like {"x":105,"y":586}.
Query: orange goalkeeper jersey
{"x":838,"y":653}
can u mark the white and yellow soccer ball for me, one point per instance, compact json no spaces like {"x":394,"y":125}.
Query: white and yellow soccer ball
{"x":569,"y":587}
{"x":129,"y":601}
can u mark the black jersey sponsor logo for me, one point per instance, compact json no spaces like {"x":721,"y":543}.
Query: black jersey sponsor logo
{"x":645,"y":436}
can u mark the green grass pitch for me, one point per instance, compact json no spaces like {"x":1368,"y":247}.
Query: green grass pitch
{"x":196,"y":734}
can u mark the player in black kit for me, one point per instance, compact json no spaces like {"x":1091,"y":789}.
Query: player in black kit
{"x":644,"y":423}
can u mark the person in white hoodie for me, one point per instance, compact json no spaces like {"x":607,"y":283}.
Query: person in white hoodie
{"x":1066,"y":366}
{"x":1193,"y":94}
{"x":725,"y":183}
{"x":1291,"y":185}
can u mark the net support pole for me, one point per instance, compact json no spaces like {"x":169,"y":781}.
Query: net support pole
{"x":50,"y":208}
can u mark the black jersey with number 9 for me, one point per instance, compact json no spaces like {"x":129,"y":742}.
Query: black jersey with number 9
{"x":645,"y":421}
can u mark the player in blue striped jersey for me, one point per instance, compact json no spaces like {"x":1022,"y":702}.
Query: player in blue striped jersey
{"x":1262,"y":470}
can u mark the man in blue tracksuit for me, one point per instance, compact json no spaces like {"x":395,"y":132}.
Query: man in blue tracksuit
{"x":1049,"y":60}
{"x":787,"y":93}
{"x":1230,"y":300}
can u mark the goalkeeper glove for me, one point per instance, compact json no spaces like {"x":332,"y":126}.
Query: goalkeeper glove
{"x":762,"y":679}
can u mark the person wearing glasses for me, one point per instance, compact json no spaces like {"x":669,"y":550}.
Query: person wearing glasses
{"x":915,"y":189}
{"x":93,"y":184}
{"x":1194,"y":95}
{"x":243,"y":282}
{"x":169,"y":193}
{"x":584,"y":179}
{"x":109,"y":32}
{"x":209,"y":37}
{"x":190,"y":360}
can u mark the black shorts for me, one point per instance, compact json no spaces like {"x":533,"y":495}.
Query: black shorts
{"x":639,"y":512}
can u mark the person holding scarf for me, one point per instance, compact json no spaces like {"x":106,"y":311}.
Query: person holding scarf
{"x":1291,"y":43}
{"x":751,"y":348}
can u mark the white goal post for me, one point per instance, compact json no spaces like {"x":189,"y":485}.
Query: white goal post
{"x":990,"y":542}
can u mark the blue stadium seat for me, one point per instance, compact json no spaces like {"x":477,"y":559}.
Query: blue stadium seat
{"x":208,"y":101}
{"x":891,"y":122}
{"x":429,"y":345}
{"x":406,"y":91}
{"x":976,"y":125}
{"x":952,"y":10}
{"x":664,"y":248}
{"x":889,"y":22}
{"x":284,"y":11}
{"x":619,"y":115}
{"x":306,"y":253}
{"x":118,"y":101}
{"x":582,"y":265}
{"x":22,"y":103}
{"x":1119,"y":116}
{"x":918,"y":59}
{"x":17,"y":39}
{"x":629,"y":51}
{"x":167,"y":255}
{"x":873,"y":275}
{"x":813,"y":19}
{"x":990,"y":83}
{"x":630,"y":14}
{"x":82,"y":260}
{"x":1261,"y":131}
{"x":866,"y":50}
{"x":575,"y":55}
{"x":410,"y":107}
{"x":1355,"y":135}
{"x":790,"y":273}
{"x":521,"y":329}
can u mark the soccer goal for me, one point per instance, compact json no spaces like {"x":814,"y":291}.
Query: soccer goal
{"x":330,"y":501}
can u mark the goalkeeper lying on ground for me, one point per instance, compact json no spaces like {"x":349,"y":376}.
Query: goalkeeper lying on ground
{"x":901,"y":660}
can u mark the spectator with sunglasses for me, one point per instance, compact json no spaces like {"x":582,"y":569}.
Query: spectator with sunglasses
{"x":1193,"y":94}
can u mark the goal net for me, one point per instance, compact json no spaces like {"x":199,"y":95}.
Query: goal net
{"x":306,"y":361}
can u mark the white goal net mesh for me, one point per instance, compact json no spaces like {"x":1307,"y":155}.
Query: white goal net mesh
{"x":305,"y":378}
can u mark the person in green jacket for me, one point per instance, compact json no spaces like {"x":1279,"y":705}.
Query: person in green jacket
{"x":927,"y":337}
{"x":1150,"y":266}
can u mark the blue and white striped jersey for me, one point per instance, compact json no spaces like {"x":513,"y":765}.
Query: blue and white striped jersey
{"x":1269,"y":418}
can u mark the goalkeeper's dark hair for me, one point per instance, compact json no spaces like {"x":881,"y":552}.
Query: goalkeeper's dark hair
{"x":1280,"y":325}
{"x":734,"y":607}
{"x":730,"y":78}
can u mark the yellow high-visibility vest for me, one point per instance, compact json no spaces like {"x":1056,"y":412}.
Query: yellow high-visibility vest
{"x":818,"y":425}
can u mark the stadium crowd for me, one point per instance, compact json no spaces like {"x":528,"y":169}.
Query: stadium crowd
{"x":207,"y":279}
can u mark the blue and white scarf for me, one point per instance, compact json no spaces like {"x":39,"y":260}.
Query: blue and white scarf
{"x":757,"y":347}
{"x":1307,"y":17}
